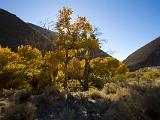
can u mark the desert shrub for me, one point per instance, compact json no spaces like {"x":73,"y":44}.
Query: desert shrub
{"x":122,"y":69}
{"x":118,"y":111}
{"x":67,"y":114}
{"x":96,"y":94}
{"x":26,"y":111}
{"x":110,"y":88}
{"x":7,"y":92}
{"x":51,"y":91}
{"x":21,"y":96}
{"x":74,"y":85}
{"x":116,"y":79}
{"x":131,"y":75}
{"x":154,"y":74}
{"x":101,"y":105}
{"x":144,"y":100}
{"x":47,"y":98}
{"x":96,"y":81}
{"x":43,"y":101}
{"x":119,"y":78}
{"x":152,"y":103}
{"x":144,"y":74}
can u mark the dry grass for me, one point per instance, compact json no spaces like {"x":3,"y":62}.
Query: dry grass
{"x":25,"y":111}
{"x":129,"y":100}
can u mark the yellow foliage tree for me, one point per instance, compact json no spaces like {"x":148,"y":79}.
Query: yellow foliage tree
{"x":10,"y":69}
{"x":6,"y":55}
{"x":73,"y":38}
{"x":32,"y":59}
{"x":107,"y":67}
{"x":75,"y":69}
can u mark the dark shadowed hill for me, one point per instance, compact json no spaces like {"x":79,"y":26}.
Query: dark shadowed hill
{"x":147,"y":56}
{"x":15,"y":32}
{"x":49,"y":34}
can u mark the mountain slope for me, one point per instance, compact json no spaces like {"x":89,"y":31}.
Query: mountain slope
{"x":14,"y":32}
{"x":49,"y":34}
{"x":147,"y":56}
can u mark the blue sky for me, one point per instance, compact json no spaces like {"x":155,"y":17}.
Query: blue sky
{"x":126,"y":25}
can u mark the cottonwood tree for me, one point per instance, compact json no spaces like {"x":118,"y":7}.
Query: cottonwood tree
{"x":107,"y":67}
{"x":74,"y":38}
{"x":88,"y":42}
{"x":63,"y":42}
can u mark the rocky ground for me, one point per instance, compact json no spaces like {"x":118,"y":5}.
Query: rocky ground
{"x":128,"y":100}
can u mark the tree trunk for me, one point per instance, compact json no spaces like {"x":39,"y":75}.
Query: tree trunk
{"x":86,"y":75}
{"x":65,"y":71}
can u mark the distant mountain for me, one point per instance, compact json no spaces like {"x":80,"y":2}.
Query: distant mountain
{"x":15,"y":32}
{"x":147,"y":56}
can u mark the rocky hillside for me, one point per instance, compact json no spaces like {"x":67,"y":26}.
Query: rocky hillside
{"x":15,"y":32}
{"x":147,"y":56}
